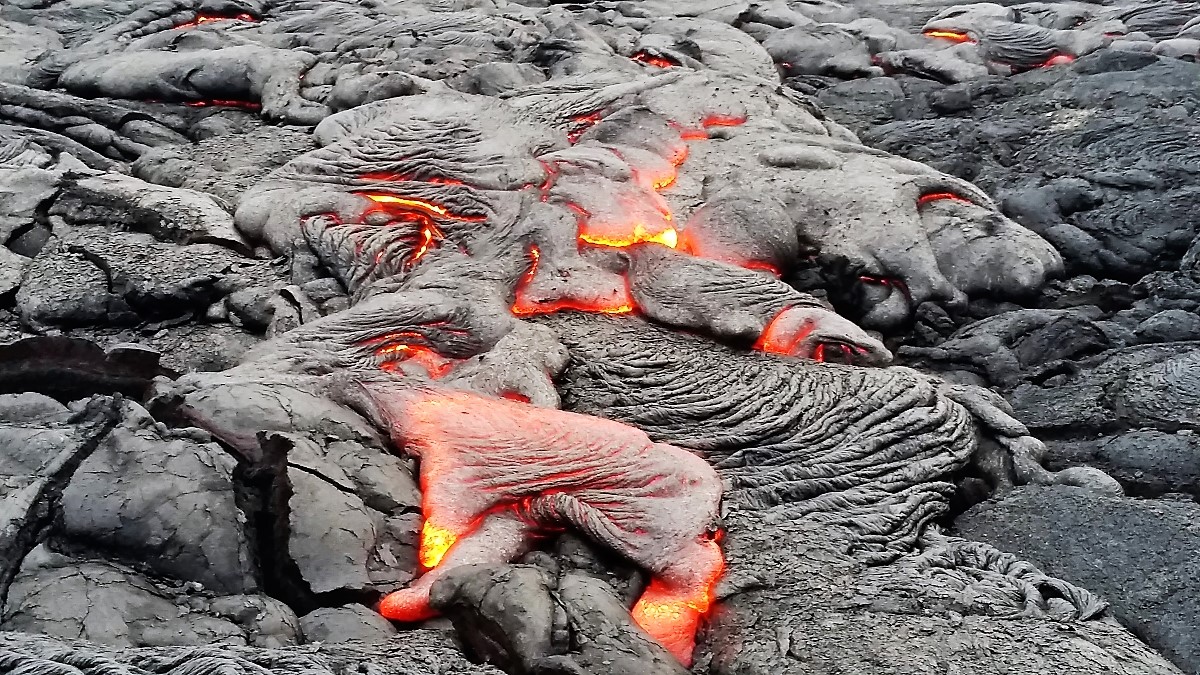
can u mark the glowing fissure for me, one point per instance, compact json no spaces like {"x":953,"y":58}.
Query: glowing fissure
{"x":429,"y":208}
{"x":654,"y":60}
{"x":393,"y":349}
{"x":523,"y":305}
{"x":203,"y":18}
{"x":940,"y":196}
{"x":774,"y":340}
{"x":615,"y":235}
{"x":951,"y":35}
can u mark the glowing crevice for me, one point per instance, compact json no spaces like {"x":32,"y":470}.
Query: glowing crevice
{"x":429,"y":208}
{"x":950,"y":35}
{"x":203,"y":18}
{"x":655,"y":60}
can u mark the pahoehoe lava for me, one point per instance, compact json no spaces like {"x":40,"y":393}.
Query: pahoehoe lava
{"x":608,"y":337}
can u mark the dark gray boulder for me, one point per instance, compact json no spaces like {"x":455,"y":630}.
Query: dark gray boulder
{"x":1139,"y":555}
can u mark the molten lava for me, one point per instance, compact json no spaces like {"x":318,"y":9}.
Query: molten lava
{"x":638,"y":235}
{"x":429,"y":233}
{"x":523,"y":305}
{"x":951,"y":35}
{"x":939,"y":196}
{"x":671,"y":616}
{"x":585,"y":122}
{"x":393,"y":349}
{"x":435,"y":542}
{"x":430,"y":209}
{"x":701,"y":133}
{"x":655,"y":60}
{"x":203,"y":18}
{"x":780,"y":338}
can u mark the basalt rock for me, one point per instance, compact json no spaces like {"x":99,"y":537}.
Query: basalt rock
{"x":348,"y":264}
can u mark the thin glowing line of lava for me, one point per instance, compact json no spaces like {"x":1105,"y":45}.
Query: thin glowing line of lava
{"x":432,"y":209}
{"x":951,"y":35}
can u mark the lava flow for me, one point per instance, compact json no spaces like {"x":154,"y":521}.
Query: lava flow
{"x":655,"y":60}
{"x":940,"y":196}
{"x":393,"y":349}
{"x":642,"y":222}
{"x":203,"y":18}
{"x":951,"y":35}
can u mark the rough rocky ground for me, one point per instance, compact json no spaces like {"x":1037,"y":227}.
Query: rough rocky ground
{"x":124,"y":526}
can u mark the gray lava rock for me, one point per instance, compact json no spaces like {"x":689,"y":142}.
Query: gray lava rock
{"x":93,"y":275}
{"x":105,"y":603}
{"x":345,"y":624}
{"x":1148,"y":463}
{"x":163,"y":502}
{"x":529,"y":620}
{"x":1172,"y":325}
{"x":1139,"y":555}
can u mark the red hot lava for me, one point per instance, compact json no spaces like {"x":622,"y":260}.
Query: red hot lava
{"x":204,"y":17}
{"x":655,"y":60}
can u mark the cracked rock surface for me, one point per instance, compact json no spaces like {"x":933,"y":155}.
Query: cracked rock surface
{"x":290,"y":293}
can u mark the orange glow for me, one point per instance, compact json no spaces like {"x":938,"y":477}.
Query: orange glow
{"x":434,"y":363}
{"x":777,"y":339}
{"x":514,"y":396}
{"x":951,"y":35}
{"x":398,"y":347}
{"x":586,"y":122}
{"x":671,"y":615}
{"x":428,"y":234}
{"x":1057,"y":60}
{"x":435,"y":542}
{"x":640,"y":235}
{"x":939,"y":196}
{"x":523,"y":305}
{"x":535,"y":257}
{"x":431,"y":209}
{"x":225,"y":103}
{"x":213,"y":18}
{"x":763,"y":267}
{"x":655,"y":60}
{"x":701,"y":133}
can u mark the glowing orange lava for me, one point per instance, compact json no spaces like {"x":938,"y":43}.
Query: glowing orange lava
{"x":435,"y":542}
{"x":203,"y":18}
{"x":523,"y":305}
{"x":403,"y":346}
{"x":225,"y":103}
{"x":431,"y":209}
{"x":1057,"y":60}
{"x":939,"y":196}
{"x":951,"y":35}
{"x":701,"y":133}
{"x":639,"y":235}
{"x":778,"y":338}
{"x":429,"y":233}
{"x":671,"y":616}
{"x":585,"y":122}
{"x":655,"y":60}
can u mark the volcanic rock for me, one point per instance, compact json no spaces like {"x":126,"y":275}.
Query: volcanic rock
{"x":1137,"y":554}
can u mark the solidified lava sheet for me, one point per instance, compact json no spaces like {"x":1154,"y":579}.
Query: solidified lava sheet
{"x":642,"y":337}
